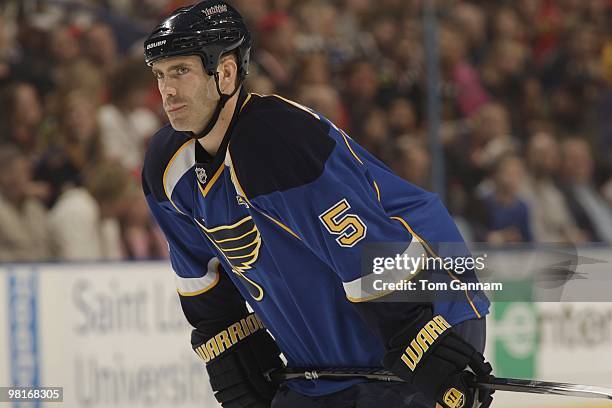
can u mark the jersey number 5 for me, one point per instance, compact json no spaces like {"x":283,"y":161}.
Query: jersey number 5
{"x":349,"y":227}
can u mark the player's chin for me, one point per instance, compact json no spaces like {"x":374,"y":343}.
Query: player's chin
{"x":179,"y":124}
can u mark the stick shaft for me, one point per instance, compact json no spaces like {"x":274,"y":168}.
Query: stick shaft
{"x":497,"y":383}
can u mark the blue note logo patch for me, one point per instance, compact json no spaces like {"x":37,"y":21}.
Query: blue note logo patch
{"x":240,"y":244}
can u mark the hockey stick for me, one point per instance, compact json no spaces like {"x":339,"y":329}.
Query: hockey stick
{"x":500,"y":384}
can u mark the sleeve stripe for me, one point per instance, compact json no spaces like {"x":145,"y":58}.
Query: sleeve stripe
{"x":362,"y":289}
{"x":433,"y":254}
{"x":197,"y":286}
{"x":183,"y":160}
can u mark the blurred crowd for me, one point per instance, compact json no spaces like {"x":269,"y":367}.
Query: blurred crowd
{"x":526,"y":105}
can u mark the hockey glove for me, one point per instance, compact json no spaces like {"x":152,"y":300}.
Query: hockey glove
{"x":436,"y":360}
{"x":236,"y":359}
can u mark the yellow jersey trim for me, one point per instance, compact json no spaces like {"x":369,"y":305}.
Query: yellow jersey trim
{"x":239,"y":248}
{"x":432,"y":253}
{"x":377,"y":190}
{"x":257,"y":285}
{"x":243,"y":194}
{"x":221,"y":168}
{"x":297,"y":105}
{"x":235,"y":177}
{"x":248,"y":98}
{"x":212,"y":181}
{"x":345,"y":137}
{"x":206,"y":289}
{"x":222,"y":227}
{"x":283,"y":226}
{"x":237,"y":238}
{"x":249,"y":255}
{"x":187,"y":143}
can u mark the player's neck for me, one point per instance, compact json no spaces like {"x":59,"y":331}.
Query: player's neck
{"x":213,"y":139}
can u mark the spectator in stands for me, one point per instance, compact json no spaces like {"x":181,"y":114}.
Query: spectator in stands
{"x":8,"y":51}
{"x":313,"y":70}
{"x":551,"y":219}
{"x":126,"y":123}
{"x":64,"y":51}
{"x":85,"y":220}
{"x":21,"y":116}
{"x":591,"y":211}
{"x":277,"y":56}
{"x":27,"y":62}
{"x":260,"y":84}
{"x":81,"y":75}
{"x":142,"y":238}
{"x":100,"y":46}
{"x":324,"y":99}
{"x":503,"y":73}
{"x":507,"y":24}
{"x":253,"y":11}
{"x":406,"y":71}
{"x":317,"y":27}
{"x":401,"y":117}
{"x":463,"y":81}
{"x":507,"y":218}
{"x":471,"y":20}
{"x":375,"y":135}
{"x":469,"y":155}
{"x":510,"y":70}
{"x":75,"y":145}
{"x":24,"y":233}
{"x":360,"y":94}
{"x":413,"y":161}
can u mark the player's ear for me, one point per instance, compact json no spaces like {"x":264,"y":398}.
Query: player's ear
{"x":228,"y":70}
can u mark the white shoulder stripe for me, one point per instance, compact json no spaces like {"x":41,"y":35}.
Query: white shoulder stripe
{"x":362,"y":289}
{"x":196,"y":286}
{"x":179,"y":164}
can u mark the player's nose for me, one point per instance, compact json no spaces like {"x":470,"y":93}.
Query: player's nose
{"x":166,"y":89}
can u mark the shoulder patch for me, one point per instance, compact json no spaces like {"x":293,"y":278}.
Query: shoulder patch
{"x":278,"y":145}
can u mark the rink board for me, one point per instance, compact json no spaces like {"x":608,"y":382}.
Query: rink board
{"x":113,"y":335}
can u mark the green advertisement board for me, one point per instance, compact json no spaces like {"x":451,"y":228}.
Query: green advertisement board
{"x":516,"y":335}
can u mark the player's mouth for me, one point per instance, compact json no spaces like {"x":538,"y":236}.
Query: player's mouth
{"x":173,"y":109}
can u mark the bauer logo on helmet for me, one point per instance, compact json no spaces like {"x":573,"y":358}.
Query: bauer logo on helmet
{"x":156,"y":44}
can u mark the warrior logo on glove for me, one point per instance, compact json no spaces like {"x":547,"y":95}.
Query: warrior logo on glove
{"x":425,"y":338}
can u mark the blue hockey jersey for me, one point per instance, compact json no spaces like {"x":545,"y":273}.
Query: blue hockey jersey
{"x":280,"y":217}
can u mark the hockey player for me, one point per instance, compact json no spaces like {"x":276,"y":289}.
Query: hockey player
{"x":263,"y":199}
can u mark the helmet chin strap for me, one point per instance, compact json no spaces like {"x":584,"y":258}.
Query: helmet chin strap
{"x":223,"y":98}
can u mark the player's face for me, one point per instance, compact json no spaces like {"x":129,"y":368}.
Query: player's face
{"x":188,"y":93}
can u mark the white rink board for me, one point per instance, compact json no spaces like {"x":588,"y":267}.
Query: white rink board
{"x":113,"y":335}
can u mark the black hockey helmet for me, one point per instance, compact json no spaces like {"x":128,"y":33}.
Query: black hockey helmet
{"x":208,"y":29}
